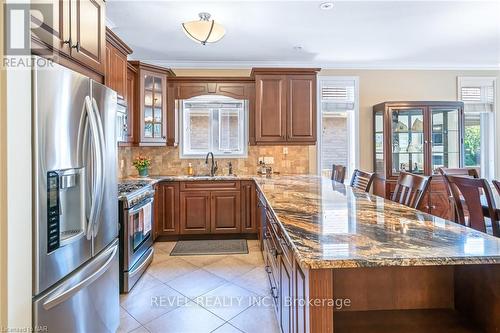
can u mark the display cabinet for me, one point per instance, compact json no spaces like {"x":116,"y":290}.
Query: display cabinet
{"x":151,"y":103}
{"x":418,"y":137}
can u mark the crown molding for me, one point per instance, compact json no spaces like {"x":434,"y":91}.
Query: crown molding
{"x":323,"y":66}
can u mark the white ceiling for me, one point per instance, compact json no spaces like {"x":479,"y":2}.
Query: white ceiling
{"x":356,"y":34}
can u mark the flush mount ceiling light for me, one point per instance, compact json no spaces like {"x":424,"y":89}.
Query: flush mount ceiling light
{"x":326,"y":5}
{"x":204,"y":31}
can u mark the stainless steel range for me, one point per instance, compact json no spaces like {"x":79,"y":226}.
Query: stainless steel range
{"x":136,"y":234}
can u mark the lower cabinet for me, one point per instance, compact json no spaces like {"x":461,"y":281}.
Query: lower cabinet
{"x":195,"y":212}
{"x":287,"y":281}
{"x":225,"y":212}
{"x":285,"y":295}
{"x":249,"y":212}
{"x":205,"y":207}
{"x":166,"y":213}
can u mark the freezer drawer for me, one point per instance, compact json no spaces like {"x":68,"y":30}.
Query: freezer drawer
{"x":87,"y":301}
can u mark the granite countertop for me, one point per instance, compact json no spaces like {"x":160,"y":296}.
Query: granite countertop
{"x":173,"y":178}
{"x":330,"y":225}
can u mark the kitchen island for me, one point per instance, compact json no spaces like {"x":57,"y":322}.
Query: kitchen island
{"x":342,"y":260}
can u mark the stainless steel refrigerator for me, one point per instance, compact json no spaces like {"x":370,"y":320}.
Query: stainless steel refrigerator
{"x":75,"y":227}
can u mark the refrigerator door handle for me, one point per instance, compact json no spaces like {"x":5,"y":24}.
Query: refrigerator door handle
{"x":102,"y":170}
{"x":67,"y":290}
{"x":99,"y":181}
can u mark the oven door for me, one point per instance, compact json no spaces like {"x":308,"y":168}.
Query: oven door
{"x":139,"y":235}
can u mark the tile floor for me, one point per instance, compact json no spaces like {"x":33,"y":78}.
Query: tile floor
{"x":200,"y":294}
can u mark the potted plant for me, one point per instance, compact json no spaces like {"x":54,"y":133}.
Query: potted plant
{"x":142,"y":164}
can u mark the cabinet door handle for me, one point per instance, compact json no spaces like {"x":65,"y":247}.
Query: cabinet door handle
{"x":67,"y":42}
{"x":272,"y":293}
{"x":76,"y":46}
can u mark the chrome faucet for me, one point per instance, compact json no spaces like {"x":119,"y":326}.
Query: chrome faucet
{"x":213,"y":166}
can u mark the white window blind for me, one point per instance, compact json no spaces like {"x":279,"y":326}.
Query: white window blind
{"x":337,"y":95}
{"x":478,"y":94}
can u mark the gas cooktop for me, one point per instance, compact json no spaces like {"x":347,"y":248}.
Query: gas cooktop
{"x":130,"y":186}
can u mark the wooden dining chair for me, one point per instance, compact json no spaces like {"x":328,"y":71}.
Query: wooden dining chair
{"x":410,"y":189}
{"x":496,"y":183}
{"x":468,"y":191}
{"x":462,"y":172}
{"x":362,"y":180}
{"x":338,"y":173}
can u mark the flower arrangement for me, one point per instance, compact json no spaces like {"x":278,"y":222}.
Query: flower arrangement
{"x":142,"y":164}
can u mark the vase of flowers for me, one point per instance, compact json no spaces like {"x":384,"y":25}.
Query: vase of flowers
{"x":142,"y":164}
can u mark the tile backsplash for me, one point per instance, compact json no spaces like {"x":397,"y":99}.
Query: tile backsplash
{"x":166,"y":161}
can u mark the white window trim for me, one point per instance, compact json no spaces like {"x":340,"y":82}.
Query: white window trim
{"x":353,"y":139}
{"x":493,"y":147}
{"x":180,"y":135}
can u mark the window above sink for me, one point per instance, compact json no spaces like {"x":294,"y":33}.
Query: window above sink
{"x":213,"y":123}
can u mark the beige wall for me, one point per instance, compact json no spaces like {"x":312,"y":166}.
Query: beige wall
{"x":15,"y":197}
{"x":3,"y":188}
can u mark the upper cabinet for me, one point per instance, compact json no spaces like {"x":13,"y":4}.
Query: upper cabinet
{"x":75,"y":36}
{"x":151,"y":103}
{"x":88,"y":33}
{"x":285,"y":105}
{"x":270,"y":108}
{"x":116,"y":64}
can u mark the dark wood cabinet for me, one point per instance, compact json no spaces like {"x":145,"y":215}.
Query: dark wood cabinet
{"x":116,"y":64}
{"x":225,"y":212}
{"x":299,"y":308}
{"x":75,"y":37}
{"x":88,"y":33}
{"x":150,"y":108}
{"x":54,"y":35}
{"x":285,"y":105}
{"x":418,"y":137}
{"x":285,"y":295}
{"x":210,"y":207}
{"x":248,"y":207}
{"x":132,"y":113}
{"x":301,"y":108}
{"x":166,"y":209}
{"x":270,"y":108}
{"x":234,"y":87}
{"x":195,"y":212}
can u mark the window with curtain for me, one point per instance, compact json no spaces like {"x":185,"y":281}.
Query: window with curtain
{"x":214,"y":123}
{"x":337,"y":108}
{"x":478,"y":95}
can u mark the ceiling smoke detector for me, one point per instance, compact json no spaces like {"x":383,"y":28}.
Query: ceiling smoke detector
{"x":326,"y":5}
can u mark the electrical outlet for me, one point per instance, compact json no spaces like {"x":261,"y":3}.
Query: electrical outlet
{"x":122,"y":163}
{"x":285,"y":150}
{"x":269,"y":160}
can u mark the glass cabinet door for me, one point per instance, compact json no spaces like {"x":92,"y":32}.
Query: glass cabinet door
{"x":379,"y":143}
{"x":153,"y":108}
{"x":407,"y":130}
{"x":445,"y":138}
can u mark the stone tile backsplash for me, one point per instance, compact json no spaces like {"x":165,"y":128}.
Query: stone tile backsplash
{"x":166,"y":161}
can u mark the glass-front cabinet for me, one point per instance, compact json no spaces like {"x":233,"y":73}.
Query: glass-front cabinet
{"x":153,"y":117}
{"x":416,"y":137}
{"x":149,"y":103}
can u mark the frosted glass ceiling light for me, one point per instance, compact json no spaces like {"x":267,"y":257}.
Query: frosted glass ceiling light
{"x":204,"y":31}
